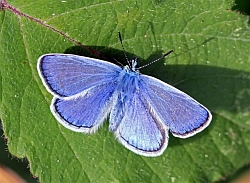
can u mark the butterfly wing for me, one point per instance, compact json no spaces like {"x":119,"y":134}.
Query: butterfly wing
{"x":182,"y":114}
{"x":137,"y":129}
{"x":65,"y":75}
{"x":82,"y":89}
{"x":86,"y":112}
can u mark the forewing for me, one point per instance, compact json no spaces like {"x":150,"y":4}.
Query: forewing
{"x":182,"y":114}
{"x":138,"y":130}
{"x":86,"y":112}
{"x":65,"y":75}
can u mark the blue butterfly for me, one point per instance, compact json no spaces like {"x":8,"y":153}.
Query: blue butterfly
{"x":141,"y":108}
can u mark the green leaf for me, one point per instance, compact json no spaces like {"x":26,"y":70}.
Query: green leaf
{"x":210,"y":63}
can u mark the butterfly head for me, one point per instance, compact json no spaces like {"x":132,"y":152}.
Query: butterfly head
{"x":131,"y":67}
{"x":134,"y":64}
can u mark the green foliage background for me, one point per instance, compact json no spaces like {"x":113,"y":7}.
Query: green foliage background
{"x":210,"y":63}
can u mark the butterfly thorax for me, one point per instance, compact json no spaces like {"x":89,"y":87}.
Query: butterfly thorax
{"x":128,"y":82}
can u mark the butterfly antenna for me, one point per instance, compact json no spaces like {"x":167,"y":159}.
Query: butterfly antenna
{"x":120,"y":38}
{"x":166,"y":54}
{"x":118,"y":62}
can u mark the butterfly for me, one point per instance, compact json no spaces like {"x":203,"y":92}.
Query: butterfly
{"x":141,"y":109}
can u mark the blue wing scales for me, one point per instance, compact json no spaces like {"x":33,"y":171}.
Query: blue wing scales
{"x":138,"y":129}
{"x":65,"y":75}
{"x":182,"y":114}
{"x":85,"y":112}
